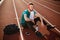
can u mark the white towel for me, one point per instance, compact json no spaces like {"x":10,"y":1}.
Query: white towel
{"x":32,"y":15}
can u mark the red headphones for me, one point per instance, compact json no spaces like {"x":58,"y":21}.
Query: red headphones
{"x":29,"y":6}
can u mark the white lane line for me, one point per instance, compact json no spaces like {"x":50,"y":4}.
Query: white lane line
{"x":44,"y":18}
{"x":50,"y":3}
{"x":47,"y":7}
{"x":57,"y":30}
{"x":49,"y":23}
{"x":18,"y":20}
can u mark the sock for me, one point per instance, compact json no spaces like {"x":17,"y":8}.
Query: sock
{"x":36,"y":28}
{"x":32,"y":15}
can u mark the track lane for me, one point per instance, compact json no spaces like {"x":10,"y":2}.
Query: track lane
{"x":7,"y":16}
{"x":48,"y":4}
{"x":20,"y":6}
{"x":51,"y":16}
{"x":11,"y":18}
{"x":57,"y":2}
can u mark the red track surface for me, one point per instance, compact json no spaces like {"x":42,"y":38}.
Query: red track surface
{"x":51,"y":16}
{"x":7,"y":16}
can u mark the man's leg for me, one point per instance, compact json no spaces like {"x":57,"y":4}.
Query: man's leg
{"x":36,"y":20}
{"x":30,"y":25}
{"x":38,"y":33}
{"x":23,"y":26}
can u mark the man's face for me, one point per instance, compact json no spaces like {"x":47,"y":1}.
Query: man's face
{"x":31,"y":7}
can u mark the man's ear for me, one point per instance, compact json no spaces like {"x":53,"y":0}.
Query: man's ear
{"x":29,"y":6}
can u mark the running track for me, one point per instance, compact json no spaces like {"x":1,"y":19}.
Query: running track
{"x":7,"y":16}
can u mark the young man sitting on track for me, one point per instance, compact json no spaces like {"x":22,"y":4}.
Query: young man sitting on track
{"x":30,"y":18}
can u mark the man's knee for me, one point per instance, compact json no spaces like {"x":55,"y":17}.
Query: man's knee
{"x":37,"y":19}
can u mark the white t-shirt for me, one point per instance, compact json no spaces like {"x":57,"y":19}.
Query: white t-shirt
{"x":32,"y":15}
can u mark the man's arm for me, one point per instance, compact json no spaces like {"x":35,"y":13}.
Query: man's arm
{"x":26,"y":18}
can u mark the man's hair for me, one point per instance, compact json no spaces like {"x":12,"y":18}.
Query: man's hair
{"x":30,"y":3}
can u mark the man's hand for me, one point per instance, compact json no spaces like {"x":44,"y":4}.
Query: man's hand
{"x":26,"y":18}
{"x":33,"y":21}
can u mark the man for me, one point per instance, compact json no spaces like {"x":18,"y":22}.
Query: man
{"x":29,"y":19}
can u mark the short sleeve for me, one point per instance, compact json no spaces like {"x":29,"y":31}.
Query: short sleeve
{"x":25,"y":12}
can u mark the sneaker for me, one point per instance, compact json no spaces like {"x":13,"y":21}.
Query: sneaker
{"x":49,"y":27}
{"x":27,"y":33}
{"x":39,"y":34}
